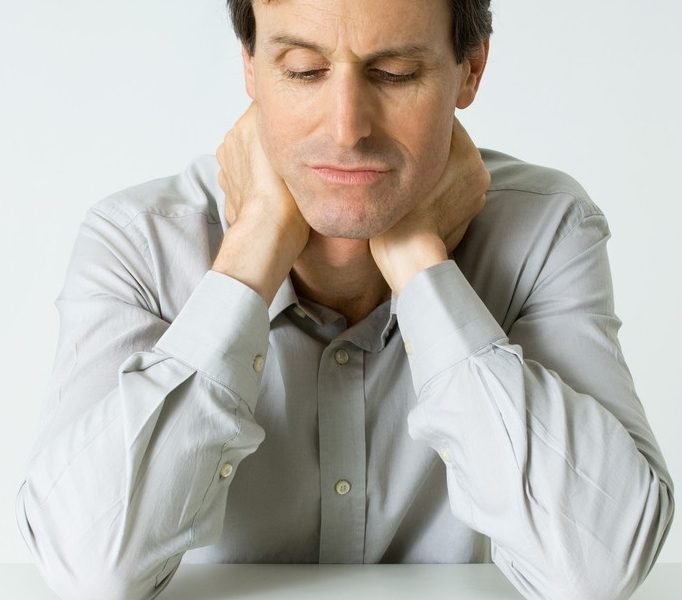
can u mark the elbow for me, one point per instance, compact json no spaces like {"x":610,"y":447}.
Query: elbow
{"x":74,"y":587}
{"x":605,"y":584}
{"x":87,"y":582}
{"x":71,"y":581}
{"x":103,"y":586}
{"x":617,"y":574}
{"x":576,"y":564}
{"x":85,"y":575}
{"x":583,"y":584}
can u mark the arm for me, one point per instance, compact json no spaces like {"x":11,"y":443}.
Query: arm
{"x":546,"y":445}
{"x":125,"y":475}
{"x":146,"y":422}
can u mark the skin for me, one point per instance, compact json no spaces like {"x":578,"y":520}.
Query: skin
{"x":348,"y":246}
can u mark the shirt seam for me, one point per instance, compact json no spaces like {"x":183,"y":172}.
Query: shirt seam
{"x":582,"y":221}
{"x":581,"y":200}
{"x":539,"y":283}
{"x":142,"y":246}
{"x":146,"y":211}
{"x":584,"y":205}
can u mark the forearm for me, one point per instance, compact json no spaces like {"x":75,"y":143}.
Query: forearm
{"x":114,"y":497}
{"x":572,"y":508}
{"x":572,"y":505}
{"x":400,"y":256}
{"x":259,"y":255}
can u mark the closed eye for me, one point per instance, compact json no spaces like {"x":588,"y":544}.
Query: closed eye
{"x":304,"y":75}
{"x":394,"y":77}
{"x":384,"y":76}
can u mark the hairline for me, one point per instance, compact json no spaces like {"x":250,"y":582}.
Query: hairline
{"x":479,"y":30}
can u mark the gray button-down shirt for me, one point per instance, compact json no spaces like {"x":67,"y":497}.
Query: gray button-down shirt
{"x":484,"y":414}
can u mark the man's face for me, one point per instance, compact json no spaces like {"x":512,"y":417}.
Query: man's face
{"x":355,"y":84}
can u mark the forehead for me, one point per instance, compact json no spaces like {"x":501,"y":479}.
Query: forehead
{"x":362,"y":27}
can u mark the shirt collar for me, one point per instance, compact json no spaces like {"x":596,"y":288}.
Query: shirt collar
{"x":284,"y":298}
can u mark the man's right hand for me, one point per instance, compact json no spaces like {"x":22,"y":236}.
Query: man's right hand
{"x":267,"y":231}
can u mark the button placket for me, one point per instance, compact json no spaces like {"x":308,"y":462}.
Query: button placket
{"x":341,"y":419}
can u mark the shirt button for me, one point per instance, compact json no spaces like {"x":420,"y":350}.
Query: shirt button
{"x":299,"y":311}
{"x":341,"y":356}
{"x":258,"y":363}
{"x":408,"y":348}
{"x":225,"y":470}
{"x":445,"y":455}
{"x":342,"y":487}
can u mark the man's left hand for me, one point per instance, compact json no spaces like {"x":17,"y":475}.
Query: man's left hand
{"x":433,"y":229}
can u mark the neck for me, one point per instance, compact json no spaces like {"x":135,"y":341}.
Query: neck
{"x":340,"y":274}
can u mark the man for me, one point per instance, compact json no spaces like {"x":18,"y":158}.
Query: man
{"x":416,"y":361}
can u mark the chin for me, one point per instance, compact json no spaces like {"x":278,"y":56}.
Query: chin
{"x":346,"y":224}
{"x":354,"y":219}
{"x":331,"y":230}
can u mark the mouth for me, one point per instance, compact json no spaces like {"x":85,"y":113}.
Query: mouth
{"x":351,"y":176}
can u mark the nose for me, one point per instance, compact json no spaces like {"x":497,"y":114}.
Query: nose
{"x":349,"y":117}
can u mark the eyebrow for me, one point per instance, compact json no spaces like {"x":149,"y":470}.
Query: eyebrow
{"x":407,"y":51}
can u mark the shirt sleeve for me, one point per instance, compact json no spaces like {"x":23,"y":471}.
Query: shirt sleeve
{"x":144,"y":423}
{"x":546,"y":444}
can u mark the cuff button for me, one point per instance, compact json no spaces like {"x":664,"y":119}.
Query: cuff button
{"x":258,"y":363}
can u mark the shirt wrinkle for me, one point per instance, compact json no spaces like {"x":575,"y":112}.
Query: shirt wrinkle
{"x":278,"y":434}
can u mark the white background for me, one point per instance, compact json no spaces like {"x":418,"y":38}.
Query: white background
{"x":98,"y":96}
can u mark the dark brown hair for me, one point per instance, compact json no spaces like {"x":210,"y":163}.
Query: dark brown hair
{"x":472,"y":23}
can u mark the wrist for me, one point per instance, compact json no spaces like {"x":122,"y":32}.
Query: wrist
{"x":258,"y":257}
{"x":401,"y":261}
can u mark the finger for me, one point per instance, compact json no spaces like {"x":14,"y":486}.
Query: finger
{"x":480,"y":205}
{"x":460,"y":136}
{"x":222,"y":181}
{"x":230,"y":215}
{"x":250,"y":115}
{"x":219,"y":151}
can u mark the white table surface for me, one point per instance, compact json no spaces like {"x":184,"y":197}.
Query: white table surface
{"x":335,"y":582}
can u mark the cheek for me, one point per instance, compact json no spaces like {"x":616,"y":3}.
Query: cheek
{"x":275,"y":137}
{"x":422,"y":124}
{"x":428,"y":143}
{"x":280,"y":127}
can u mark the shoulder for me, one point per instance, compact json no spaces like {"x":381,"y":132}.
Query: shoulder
{"x":511,"y":173}
{"x":161,"y":234}
{"x":534,"y":198}
{"x":530,"y":212}
{"x":193,"y":191}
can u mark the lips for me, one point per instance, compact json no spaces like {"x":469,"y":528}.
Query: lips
{"x":356,"y":175}
{"x":355,"y":169}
